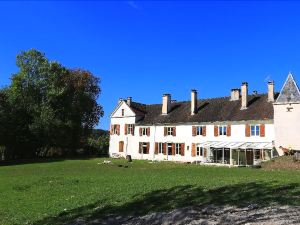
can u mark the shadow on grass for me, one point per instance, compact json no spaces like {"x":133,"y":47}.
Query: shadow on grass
{"x":263,"y":194}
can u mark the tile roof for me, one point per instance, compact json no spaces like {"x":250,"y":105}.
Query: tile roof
{"x":209,"y":110}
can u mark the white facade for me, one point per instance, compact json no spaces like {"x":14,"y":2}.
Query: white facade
{"x":282,"y":131}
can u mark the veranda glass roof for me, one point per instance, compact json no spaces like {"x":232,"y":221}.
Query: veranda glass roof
{"x":237,"y":145}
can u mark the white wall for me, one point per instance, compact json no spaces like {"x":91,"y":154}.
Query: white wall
{"x":287,"y":126}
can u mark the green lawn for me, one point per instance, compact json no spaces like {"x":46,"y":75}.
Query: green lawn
{"x":58,"y":192}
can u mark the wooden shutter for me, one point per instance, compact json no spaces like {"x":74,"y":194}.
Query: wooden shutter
{"x":125,"y":129}
{"x":118,"y":129}
{"x":193,"y":150}
{"x":173,"y":149}
{"x":140,"y":147}
{"x":262,"y":130}
{"x":111,"y":129}
{"x":205,"y":152}
{"x":148,"y":131}
{"x":133,"y":127}
{"x":140,"y":131}
{"x":182,"y":149}
{"x":165,"y":131}
{"x":216,"y":131}
{"x":247,"y":130}
{"x":204,"y":131}
{"x":228,"y":130}
{"x":156,"y":148}
{"x":194,"y":131}
{"x":121,"y":146}
{"x":174,"y":131}
{"x":165,"y":148}
{"x":148,"y":147}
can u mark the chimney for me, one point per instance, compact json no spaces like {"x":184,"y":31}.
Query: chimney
{"x":271,"y":91}
{"x":129,"y":101}
{"x":193,"y":102}
{"x":235,"y":94}
{"x":244,"y":95}
{"x":120,"y":100}
{"x":166,"y":104}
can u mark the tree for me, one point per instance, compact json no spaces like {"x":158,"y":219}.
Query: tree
{"x":48,"y":106}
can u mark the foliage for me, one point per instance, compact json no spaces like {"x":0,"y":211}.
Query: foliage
{"x":61,"y":192}
{"x":47,"y":106}
{"x":98,"y":143}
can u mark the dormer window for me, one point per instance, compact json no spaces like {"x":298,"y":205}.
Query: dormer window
{"x":123,"y":112}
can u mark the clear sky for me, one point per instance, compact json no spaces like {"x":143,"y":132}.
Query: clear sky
{"x":144,"y":49}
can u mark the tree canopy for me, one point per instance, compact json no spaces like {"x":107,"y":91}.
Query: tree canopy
{"x":47,"y":106}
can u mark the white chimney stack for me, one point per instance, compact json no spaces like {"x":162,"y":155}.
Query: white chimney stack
{"x":244,"y":95}
{"x":235,"y":94}
{"x":129,"y":101}
{"x":194,"y":102}
{"x":271,"y":91}
{"x":166,"y":104}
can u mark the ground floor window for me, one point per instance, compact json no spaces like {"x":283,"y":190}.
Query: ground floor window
{"x":160,"y":148}
{"x":177,"y":149}
{"x":121,"y":146}
{"x":199,"y":151}
{"x":144,"y":147}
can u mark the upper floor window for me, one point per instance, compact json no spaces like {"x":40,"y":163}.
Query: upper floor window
{"x":130,"y":129}
{"x":144,"y":131}
{"x":115,"y":129}
{"x":170,"y":131}
{"x":199,"y":130}
{"x":123,"y":112}
{"x":222,"y":130}
{"x":255,"y":130}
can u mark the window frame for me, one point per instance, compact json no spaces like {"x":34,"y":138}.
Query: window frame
{"x":199,"y":130}
{"x":222,"y":130}
{"x":199,"y":151}
{"x":144,"y":131}
{"x":123,"y":112}
{"x":115,"y":129}
{"x":170,"y":131}
{"x":177,"y":149}
{"x":130,"y":129}
{"x":160,"y":148}
{"x":255,"y":130}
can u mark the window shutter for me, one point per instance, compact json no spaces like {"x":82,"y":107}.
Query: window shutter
{"x":174,"y":131}
{"x":173,"y":149}
{"x":165,"y":148}
{"x":194,"y":131}
{"x":156,"y":148}
{"x":133,"y":127}
{"x":148,"y":147}
{"x":140,"y":131}
{"x":216,"y":132}
{"x":165,"y":131}
{"x":193,"y":150}
{"x":262,"y":130}
{"x":121,"y":146}
{"x":118,"y":129}
{"x":125,"y":129}
{"x":204,"y":131}
{"x":148,"y":131}
{"x":247,"y":130}
{"x":228,"y":130}
{"x":140,"y":147}
{"x":182,"y":149}
{"x":205,"y":152}
{"x":111,"y":129}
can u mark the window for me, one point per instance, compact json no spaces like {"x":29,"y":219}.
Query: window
{"x":169,"y":145}
{"x":160,"y":148}
{"x":144,"y":131}
{"x":199,"y":151}
{"x":177,"y":149}
{"x":170,"y":130}
{"x":222,"y":130}
{"x":123,"y":112}
{"x":144,"y":147}
{"x":199,"y":130}
{"x":130,"y":129}
{"x":255,"y":130}
{"x":115,"y":129}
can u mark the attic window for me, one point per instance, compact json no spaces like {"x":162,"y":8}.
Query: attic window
{"x":123,"y":112}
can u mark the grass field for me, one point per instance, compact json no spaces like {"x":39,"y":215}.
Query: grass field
{"x":59,"y":192}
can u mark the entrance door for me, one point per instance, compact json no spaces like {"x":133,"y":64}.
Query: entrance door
{"x":249,"y":156}
{"x":169,"y":148}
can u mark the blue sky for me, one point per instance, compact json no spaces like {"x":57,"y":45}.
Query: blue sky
{"x":144,"y":49}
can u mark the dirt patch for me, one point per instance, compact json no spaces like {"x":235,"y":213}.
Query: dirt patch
{"x":211,"y":215}
{"x":284,"y":162}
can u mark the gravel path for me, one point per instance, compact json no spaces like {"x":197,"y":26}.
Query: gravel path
{"x":212,"y":215}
